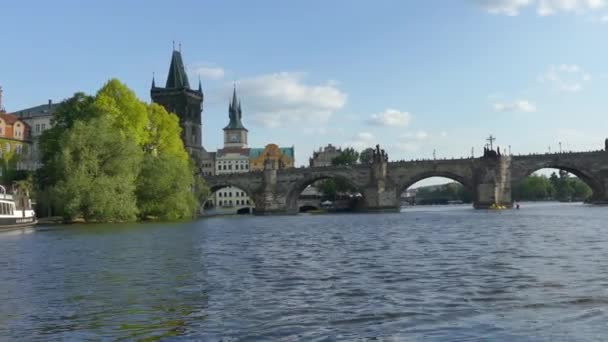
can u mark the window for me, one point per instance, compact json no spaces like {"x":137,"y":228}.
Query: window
{"x":230,"y":167}
{"x":230,"y":195}
{"x":219,"y":194}
{"x":18,"y":149}
{"x":8,"y":147}
{"x":43,"y":127}
{"x":1,"y":130}
{"x":220,"y":202}
{"x":37,"y":128}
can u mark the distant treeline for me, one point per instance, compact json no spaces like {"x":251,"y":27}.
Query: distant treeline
{"x":443,"y":194}
{"x":557,"y":187}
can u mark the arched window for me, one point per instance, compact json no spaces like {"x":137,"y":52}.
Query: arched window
{"x":8,"y":147}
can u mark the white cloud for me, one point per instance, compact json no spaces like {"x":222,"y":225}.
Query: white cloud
{"x":207,"y":71}
{"x":506,"y":7}
{"x":390,"y":117}
{"x":419,"y":135}
{"x":522,"y":106}
{"x":407,"y":147}
{"x":543,"y":7}
{"x":361,"y":140}
{"x":278,"y":99}
{"x":566,"y":77}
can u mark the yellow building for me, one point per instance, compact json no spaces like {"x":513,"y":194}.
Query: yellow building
{"x":283,"y":157}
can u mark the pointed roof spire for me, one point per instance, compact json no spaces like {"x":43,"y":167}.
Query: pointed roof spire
{"x":177,"y":77}
{"x":234,"y":113}
{"x":234,"y":100}
{"x":153,"y":82}
{"x":200,"y":86}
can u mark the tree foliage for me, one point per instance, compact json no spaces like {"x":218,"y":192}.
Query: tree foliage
{"x":560,"y":187}
{"x":333,"y":187}
{"x":366,"y":156}
{"x":348,"y":157}
{"x":442,"y":194}
{"x":99,"y":168}
{"x":112,"y":157}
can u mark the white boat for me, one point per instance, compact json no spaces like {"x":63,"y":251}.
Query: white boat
{"x":16,"y":210}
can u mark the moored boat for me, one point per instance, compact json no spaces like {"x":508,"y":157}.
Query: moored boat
{"x":16,"y":210}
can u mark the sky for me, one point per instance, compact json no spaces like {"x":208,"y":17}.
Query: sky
{"x":416,"y":77}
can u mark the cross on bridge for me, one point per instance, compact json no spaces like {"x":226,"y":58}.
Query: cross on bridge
{"x":491,"y":140}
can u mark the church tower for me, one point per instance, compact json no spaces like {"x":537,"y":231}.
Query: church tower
{"x":186,"y":103}
{"x":235,"y":134}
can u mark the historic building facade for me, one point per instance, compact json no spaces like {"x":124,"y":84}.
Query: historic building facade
{"x":14,"y":145}
{"x":39,"y":120}
{"x":324,"y":156}
{"x":281,"y":157}
{"x":177,"y":97}
{"x":237,"y":157}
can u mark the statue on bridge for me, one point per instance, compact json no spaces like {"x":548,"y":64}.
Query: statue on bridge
{"x":490,"y":153}
{"x":379,"y":155}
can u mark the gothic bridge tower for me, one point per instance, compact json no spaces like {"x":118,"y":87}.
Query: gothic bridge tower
{"x":177,"y":97}
{"x":235,"y":134}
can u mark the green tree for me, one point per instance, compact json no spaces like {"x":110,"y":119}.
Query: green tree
{"x":164,"y":188}
{"x":99,"y":167}
{"x":366,"y":156}
{"x":164,"y":132}
{"x":534,"y":188}
{"x":77,"y":108}
{"x":581,"y":191}
{"x":127,"y":113}
{"x":348,"y":157}
{"x":328,"y":188}
{"x":112,"y":157}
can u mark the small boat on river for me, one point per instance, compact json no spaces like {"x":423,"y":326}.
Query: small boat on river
{"x":16,"y":210}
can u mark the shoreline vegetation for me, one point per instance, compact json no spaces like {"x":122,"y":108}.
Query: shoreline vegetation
{"x":535,"y":188}
{"x":114,"y":158}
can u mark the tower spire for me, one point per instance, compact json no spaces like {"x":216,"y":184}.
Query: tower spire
{"x":235,"y":113}
{"x":200,"y":86}
{"x":234,"y":101}
{"x":177,"y":77}
{"x":153,"y":82}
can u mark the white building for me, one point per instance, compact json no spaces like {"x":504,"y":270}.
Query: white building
{"x":233,"y":158}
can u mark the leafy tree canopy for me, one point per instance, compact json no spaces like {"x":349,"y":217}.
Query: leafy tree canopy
{"x":366,"y":156}
{"x":112,"y":157}
{"x":348,"y":157}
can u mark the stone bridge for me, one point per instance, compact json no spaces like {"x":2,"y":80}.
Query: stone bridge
{"x":489,"y":179}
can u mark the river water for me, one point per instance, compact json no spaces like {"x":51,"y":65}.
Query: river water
{"x":432,"y":274}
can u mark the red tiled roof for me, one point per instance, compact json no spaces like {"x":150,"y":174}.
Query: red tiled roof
{"x":9,"y":118}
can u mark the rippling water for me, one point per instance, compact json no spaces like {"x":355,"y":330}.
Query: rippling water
{"x":432,"y":274}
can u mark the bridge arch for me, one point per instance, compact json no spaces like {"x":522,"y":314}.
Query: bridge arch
{"x":465,"y":180}
{"x":241,"y":197}
{"x":522,"y":171}
{"x":297,"y":187}
{"x":407,"y":182}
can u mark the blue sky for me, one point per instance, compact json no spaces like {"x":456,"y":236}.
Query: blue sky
{"x":414,"y":76}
